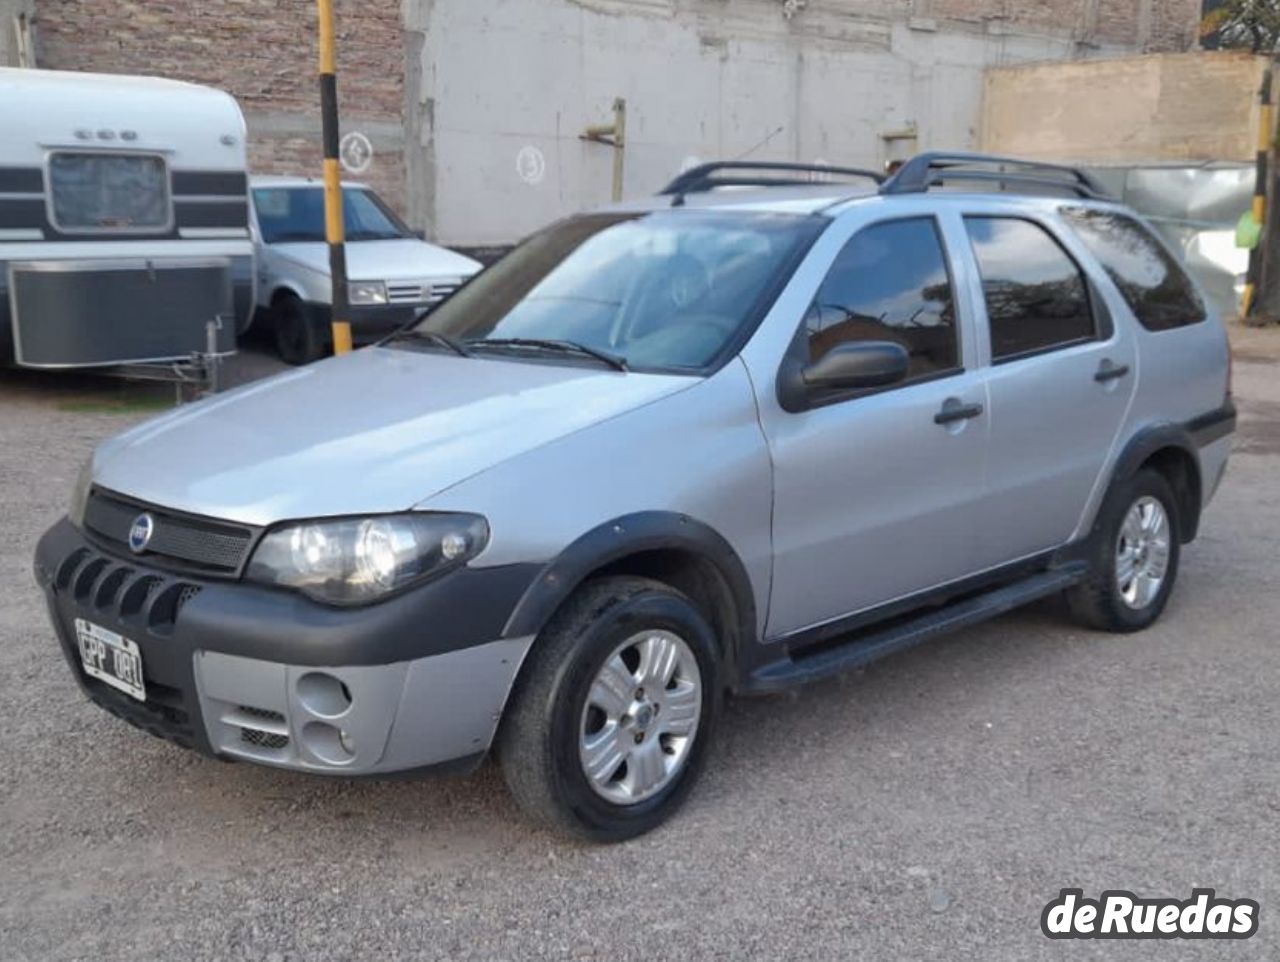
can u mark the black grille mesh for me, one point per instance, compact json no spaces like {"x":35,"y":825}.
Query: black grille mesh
{"x":256,"y":736}
{"x":211,"y":545}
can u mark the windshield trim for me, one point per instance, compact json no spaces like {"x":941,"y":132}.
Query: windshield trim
{"x":810,"y":226}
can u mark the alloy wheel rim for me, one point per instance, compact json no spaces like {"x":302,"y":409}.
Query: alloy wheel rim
{"x":641,"y":717}
{"x":1142,"y":553}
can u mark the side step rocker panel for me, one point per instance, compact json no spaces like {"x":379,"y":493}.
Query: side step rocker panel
{"x":799,"y":669}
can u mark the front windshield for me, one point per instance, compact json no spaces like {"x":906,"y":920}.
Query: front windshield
{"x":666,"y":289}
{"x":297,"y":214}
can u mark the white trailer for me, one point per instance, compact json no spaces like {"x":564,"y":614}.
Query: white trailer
{"x":124,"y":220}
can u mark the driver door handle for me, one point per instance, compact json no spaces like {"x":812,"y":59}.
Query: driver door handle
{"x":954,"y":410}
{"x":1108,"y":370}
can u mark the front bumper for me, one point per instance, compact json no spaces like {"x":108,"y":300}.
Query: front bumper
{"x":369,"y":322}
{"x":242,"y":672}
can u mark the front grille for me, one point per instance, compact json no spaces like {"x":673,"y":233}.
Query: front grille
{"x":251,"y":736}
{"x":407,"y":292}
{"x":120,"y":592}
{"x":215,"y":547}
{"x":269,"y":735}
{"x":440,"y":291}
{"x":420,"y":292}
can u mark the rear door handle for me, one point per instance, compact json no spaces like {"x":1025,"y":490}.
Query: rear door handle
{"x":954,"y":410}
{"x":1110,"y":371}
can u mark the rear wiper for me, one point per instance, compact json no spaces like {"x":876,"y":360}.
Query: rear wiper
{"x":433,"y":337}
{"x":549,"y":344}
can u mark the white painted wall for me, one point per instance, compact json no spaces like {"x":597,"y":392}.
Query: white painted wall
{"x":711,"y":79}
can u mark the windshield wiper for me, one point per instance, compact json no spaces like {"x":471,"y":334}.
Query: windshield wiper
{"x":553,"y":344}
{"x":433,"y":337}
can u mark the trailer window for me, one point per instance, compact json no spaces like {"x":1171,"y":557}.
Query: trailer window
{"x":109,"y":192}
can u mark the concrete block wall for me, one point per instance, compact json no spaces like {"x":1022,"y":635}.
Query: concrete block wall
{"x":706,"y":80}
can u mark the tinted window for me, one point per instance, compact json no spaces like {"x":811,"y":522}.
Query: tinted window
{"x":1036,"y":296}
{"x":297,"y":214}
{"x":890,"y":283}
{"x":666,"y":289}
{"x":1155,"y":287}
{"x":109,"y":191}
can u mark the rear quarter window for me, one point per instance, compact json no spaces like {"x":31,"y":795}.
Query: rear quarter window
{"x":1152,"y":282}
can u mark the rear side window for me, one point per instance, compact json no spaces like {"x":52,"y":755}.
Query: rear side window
{"x":890,"y":283}
{"x":1153,"y":284}
{"x":1036,"y":296}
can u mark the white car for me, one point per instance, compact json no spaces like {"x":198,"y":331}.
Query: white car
{"x":394,"y":274}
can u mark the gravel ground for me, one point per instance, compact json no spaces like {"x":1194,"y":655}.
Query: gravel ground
{"x":926,"y":808}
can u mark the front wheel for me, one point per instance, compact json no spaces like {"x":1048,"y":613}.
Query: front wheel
{"x":299,"y":339}
{"x":1134,"y":556}
{"x":611,"y":716}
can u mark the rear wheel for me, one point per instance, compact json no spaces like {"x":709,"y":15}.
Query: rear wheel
{"x":1134,"y":556}
{"x":610,"y":718}
{"x":299,"y":339}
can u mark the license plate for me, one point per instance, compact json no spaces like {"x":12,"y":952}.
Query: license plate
{"x":111,"y":658}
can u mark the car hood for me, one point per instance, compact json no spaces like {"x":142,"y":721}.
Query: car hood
{"x":405,"y":258}
{"x":374,"y":431}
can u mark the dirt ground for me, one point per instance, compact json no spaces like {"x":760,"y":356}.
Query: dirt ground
{"x":927,"y":808}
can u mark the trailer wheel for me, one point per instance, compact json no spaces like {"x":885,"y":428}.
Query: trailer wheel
{"x":299,"y":339}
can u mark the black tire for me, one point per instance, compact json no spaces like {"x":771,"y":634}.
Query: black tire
{"x":299,"y":338}
{"x":537,"y":745}
{"x":1097,"y":601}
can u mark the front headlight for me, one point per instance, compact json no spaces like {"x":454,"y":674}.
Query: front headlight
{"x":80,"y":493}
{"x":366,"y":292}
{"x":359,"y":560}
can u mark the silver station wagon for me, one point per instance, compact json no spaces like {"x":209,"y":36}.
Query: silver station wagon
{"x":761,"y":429}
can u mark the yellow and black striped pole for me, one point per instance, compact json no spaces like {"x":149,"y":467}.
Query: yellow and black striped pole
{"x":334,"y":231}
{"x":1266,"y":127}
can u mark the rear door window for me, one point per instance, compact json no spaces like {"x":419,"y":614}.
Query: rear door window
{"x":1037,"y":297}
{"x":109,"y":192}
{"x":890,"y":283}
{"x":1153,"y":284}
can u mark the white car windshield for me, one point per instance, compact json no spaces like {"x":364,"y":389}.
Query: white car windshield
{"x":664,"y":290}
{"x":288,"y":214}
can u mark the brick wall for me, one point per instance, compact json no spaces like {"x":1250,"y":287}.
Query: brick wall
{"x":261,"y":51}
{"x":1153,"y":25}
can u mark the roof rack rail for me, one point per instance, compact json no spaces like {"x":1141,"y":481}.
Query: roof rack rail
{"x":738,"y":173}
{"x":925,"y":171}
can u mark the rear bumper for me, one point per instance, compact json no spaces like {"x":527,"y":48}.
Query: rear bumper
{"x":240,"y":672}
{"x":1213,"y":426}
{"x":1211,"y":435}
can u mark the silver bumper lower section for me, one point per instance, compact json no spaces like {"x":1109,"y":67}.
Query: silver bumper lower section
{"x":357,"y":721}
{"x":1213,"y":465}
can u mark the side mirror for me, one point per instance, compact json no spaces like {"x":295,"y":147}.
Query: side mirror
{"x":420,"y":234}
{"x":857,"y":365}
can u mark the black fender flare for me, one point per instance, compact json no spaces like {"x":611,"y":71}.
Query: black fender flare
{"x":1156,"y":437}
{"x":629,"y":535}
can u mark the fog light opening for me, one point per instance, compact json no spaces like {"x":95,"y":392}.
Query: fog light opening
{"x":327,"y":743}
{"x":323,"y":695}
